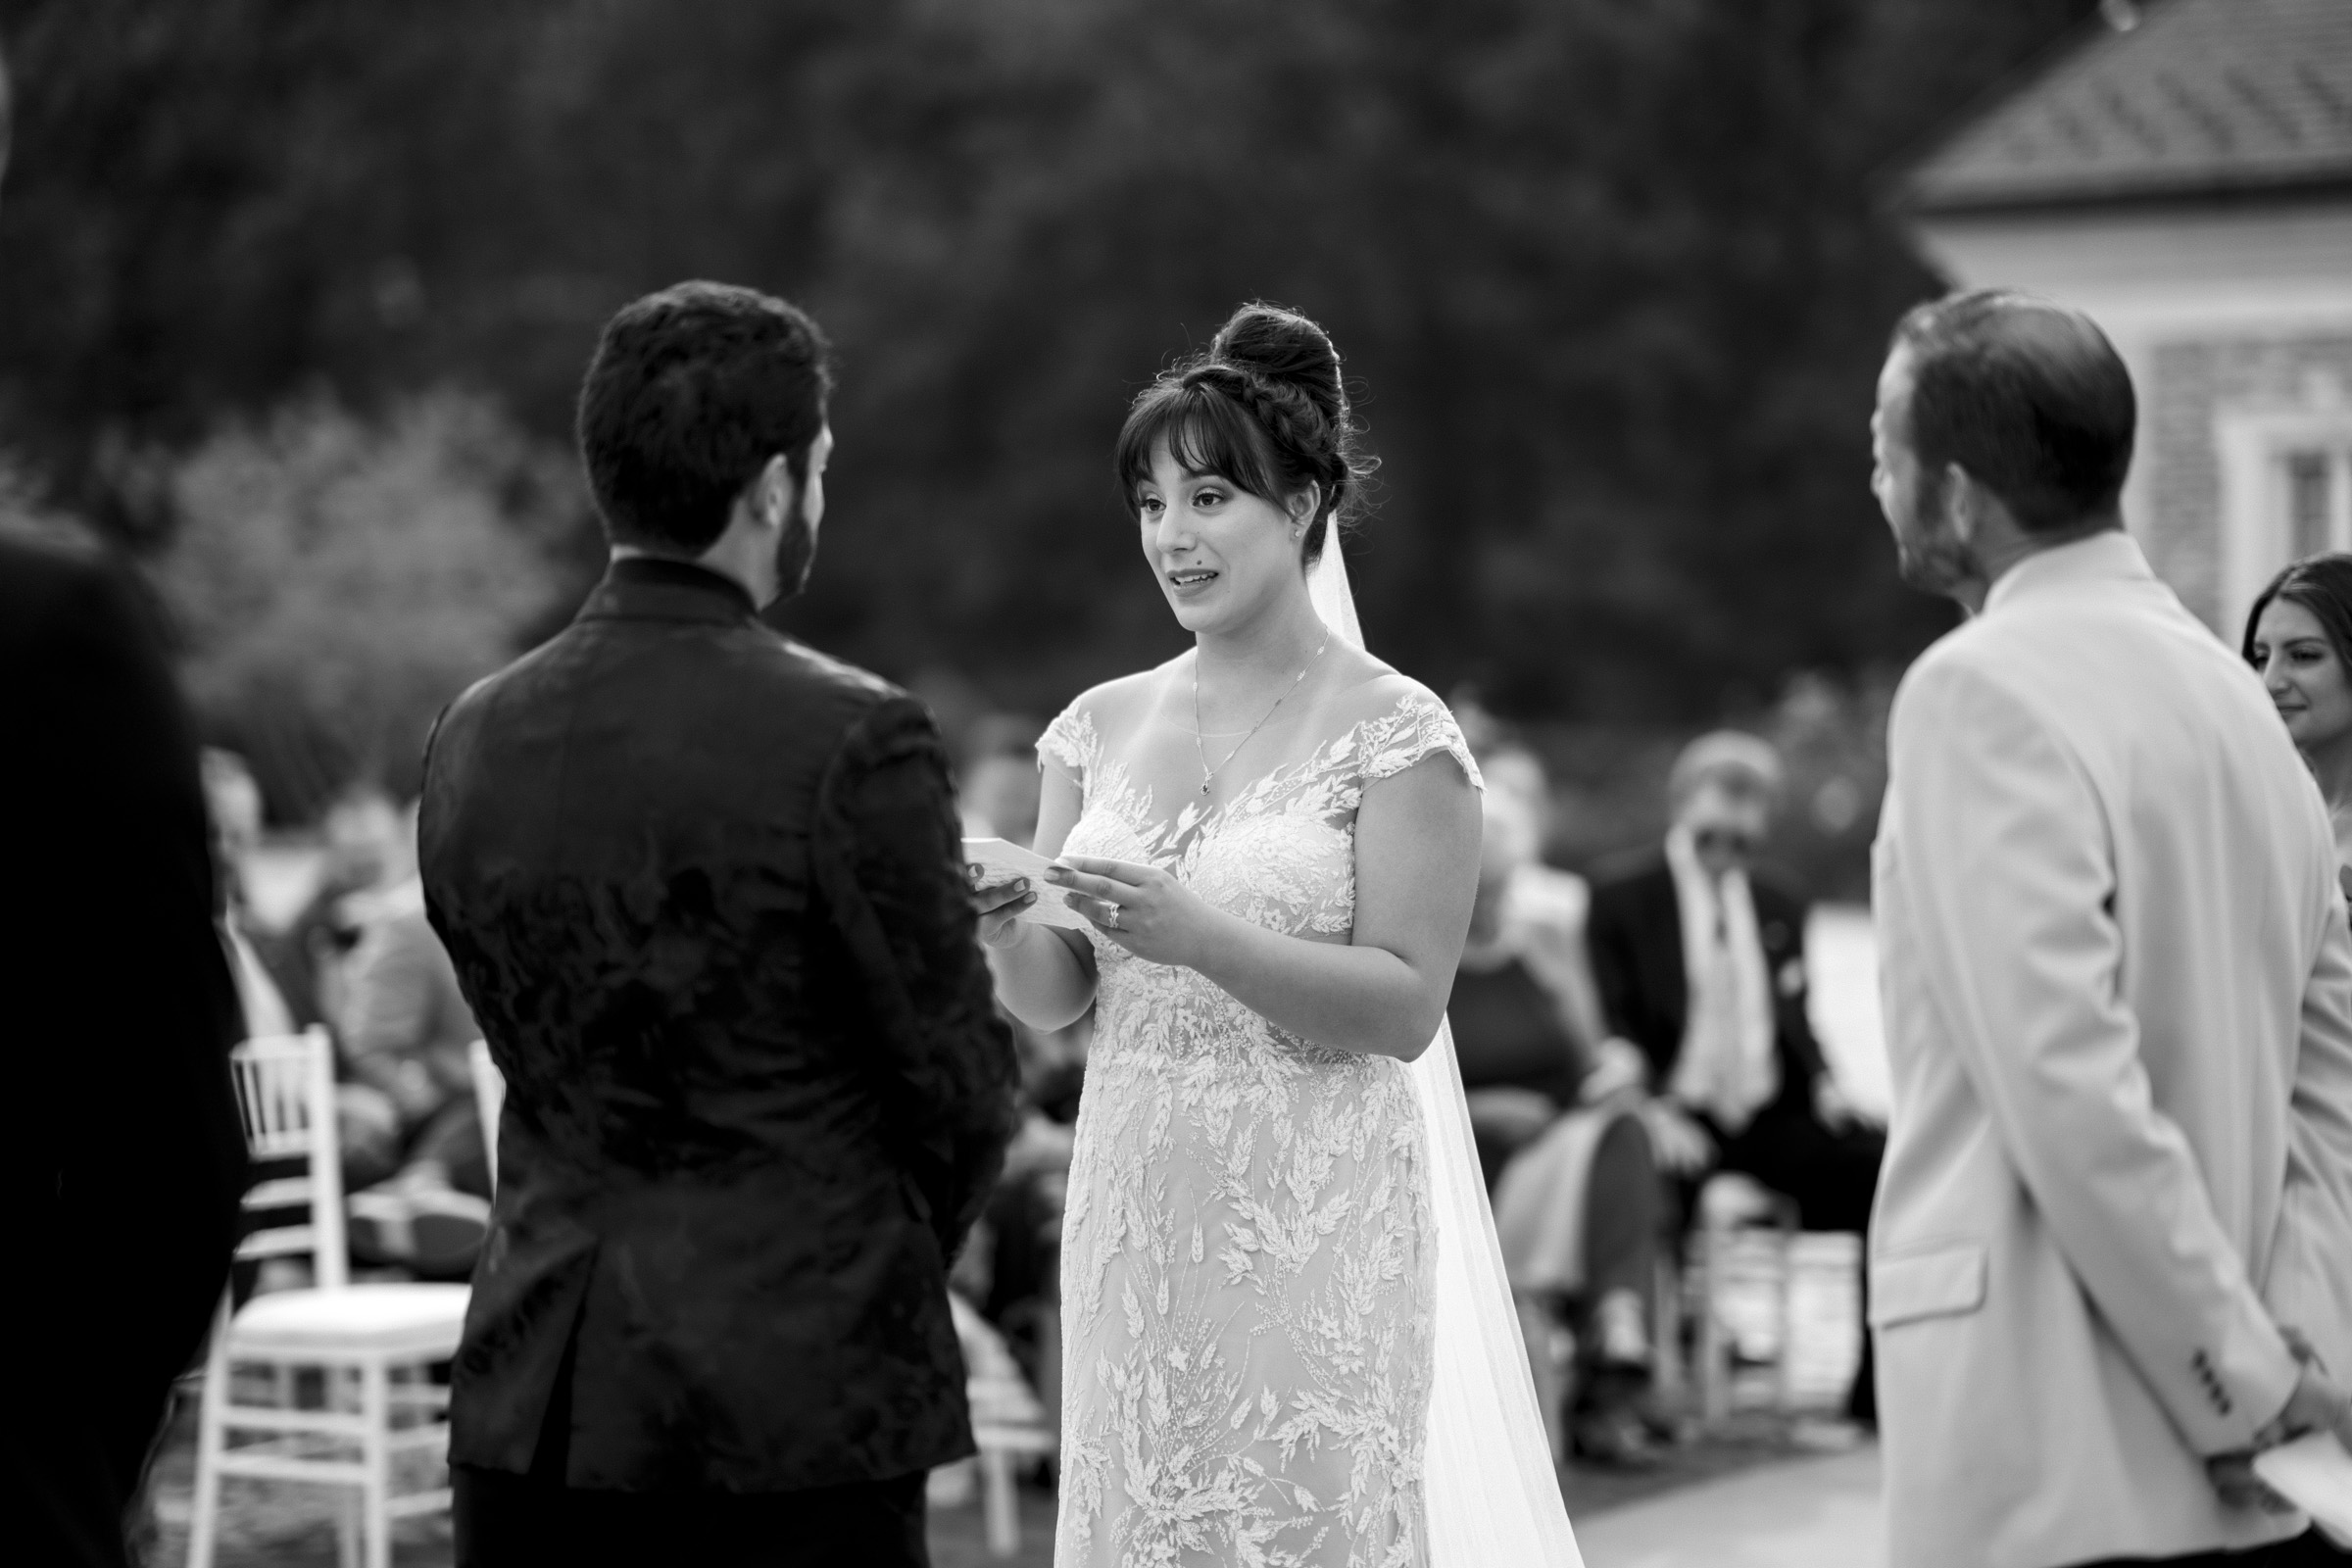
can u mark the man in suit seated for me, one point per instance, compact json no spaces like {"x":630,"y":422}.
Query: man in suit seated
{"x":1701,"y":965}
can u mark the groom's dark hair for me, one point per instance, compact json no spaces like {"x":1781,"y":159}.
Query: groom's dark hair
{"x":691,"y":392}
{"x":2027,"y":396}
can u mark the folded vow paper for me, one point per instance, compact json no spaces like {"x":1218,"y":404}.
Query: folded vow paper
{"x":990,"y":861}
{"x":2315,"y":1474}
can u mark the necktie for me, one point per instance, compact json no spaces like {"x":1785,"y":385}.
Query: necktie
{"x":1727,"y":1099}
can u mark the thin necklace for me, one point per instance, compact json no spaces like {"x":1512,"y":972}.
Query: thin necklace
{"x":1208,"y":774}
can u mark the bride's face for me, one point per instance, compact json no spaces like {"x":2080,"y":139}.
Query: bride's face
{"x":1222,"y":554}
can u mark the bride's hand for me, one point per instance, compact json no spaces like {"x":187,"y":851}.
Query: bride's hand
{"x":1141,"y":907}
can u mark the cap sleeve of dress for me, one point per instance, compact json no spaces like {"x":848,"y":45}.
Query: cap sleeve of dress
{"x":1418,"y":725}
{"x":1069,"y":743}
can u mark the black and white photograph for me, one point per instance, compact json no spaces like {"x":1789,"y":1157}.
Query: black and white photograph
{"x":1177,"y":783}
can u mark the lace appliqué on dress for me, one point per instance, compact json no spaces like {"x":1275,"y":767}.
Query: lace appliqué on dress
{"x":1247,"y":1257}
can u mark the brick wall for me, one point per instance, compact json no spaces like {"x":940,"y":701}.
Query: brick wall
{"x":2192,"y":378}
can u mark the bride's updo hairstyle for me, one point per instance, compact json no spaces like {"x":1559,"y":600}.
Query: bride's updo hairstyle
{"x":1263,"y":407}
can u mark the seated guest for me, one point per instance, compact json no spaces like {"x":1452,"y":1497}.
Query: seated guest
{"x":1700,"y":966}
{"x":408,"y":1106}
{"x":1523,"y":1012}
{"x":997,"y":783}
{"x":1586,"y":1198}
{"x":362,"y":829}
{"x":233,"y":802}
{"x":1009,"y":1265}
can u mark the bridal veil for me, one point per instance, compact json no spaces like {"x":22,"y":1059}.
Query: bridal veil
{"x":1493,"y":1496}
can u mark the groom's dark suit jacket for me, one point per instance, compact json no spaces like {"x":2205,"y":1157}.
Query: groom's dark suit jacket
{"x":703,"y":892}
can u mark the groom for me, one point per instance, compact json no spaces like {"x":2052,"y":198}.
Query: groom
{"x":2109,"y":1258}
{"x":704,"y":892}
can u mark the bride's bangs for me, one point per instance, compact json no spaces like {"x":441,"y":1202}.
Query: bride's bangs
{"x":1206,"y":432}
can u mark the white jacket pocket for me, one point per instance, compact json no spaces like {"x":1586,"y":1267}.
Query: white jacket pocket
{"x":1940,"y":1279}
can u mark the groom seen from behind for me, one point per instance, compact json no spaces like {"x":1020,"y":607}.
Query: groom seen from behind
{"x":2107,"y":1262}
{"x":704,"y":892}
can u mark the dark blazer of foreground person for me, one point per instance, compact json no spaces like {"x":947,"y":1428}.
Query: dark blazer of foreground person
{"x":122,"y":1155}
{"x":703,"y":887}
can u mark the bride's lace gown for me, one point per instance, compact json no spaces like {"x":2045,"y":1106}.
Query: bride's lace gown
{"x":1247,"y":1260}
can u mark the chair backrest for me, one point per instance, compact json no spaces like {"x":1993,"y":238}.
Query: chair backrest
{"x":286,"y":1095}
{"x":489,"y":1099}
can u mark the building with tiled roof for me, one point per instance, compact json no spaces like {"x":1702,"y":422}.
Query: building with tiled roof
{"x":2184,"y":172}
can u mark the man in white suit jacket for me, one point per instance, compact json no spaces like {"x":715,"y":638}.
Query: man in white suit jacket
{"x":2110,"y":1255}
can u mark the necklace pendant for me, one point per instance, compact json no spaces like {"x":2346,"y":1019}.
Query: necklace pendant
{"x":1204,"y":786}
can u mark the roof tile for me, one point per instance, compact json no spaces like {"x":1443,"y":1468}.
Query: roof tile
{"x":2203,"y":97}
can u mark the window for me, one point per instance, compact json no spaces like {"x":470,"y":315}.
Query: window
{"x":2315,"y":494}
{"x":2286,"y":487}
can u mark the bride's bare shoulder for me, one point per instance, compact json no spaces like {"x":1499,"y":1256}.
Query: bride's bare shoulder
{"x":1373,"y":689}
{"x":1116,"y":707}
{"x":1397,"y":723}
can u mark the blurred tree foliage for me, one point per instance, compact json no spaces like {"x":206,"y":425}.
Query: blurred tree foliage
{"x":339,"y":579}
{"x":1608,"y":272}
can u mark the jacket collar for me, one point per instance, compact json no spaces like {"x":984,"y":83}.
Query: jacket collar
{"x":2110,"y":555}
{"x":659,"y":588}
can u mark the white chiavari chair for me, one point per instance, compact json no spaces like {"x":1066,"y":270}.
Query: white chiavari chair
{"x":1745,"y":1238}
{"x":368,"y":1350}
{"x":1008,"y":1423}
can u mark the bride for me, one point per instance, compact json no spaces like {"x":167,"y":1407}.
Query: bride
{"x":1276,"y":1246}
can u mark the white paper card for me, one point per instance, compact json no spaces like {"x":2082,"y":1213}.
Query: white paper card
{"x":992,"y":860}
{"x":2315,"y":1474}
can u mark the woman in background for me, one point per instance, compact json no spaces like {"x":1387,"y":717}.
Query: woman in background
{"x":2299,"y":640}
{"x":1578,"y":1205}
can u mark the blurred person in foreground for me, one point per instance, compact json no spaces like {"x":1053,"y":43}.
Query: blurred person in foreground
{"x":1577,"y":1204}
{"x":414,"y":1156}
{"x":2299,"y":640}
{"x":124,"y":1157}
{"x":2109,"y":1258}
{"x":703,"y":889}
{"x":1700,"y":964}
